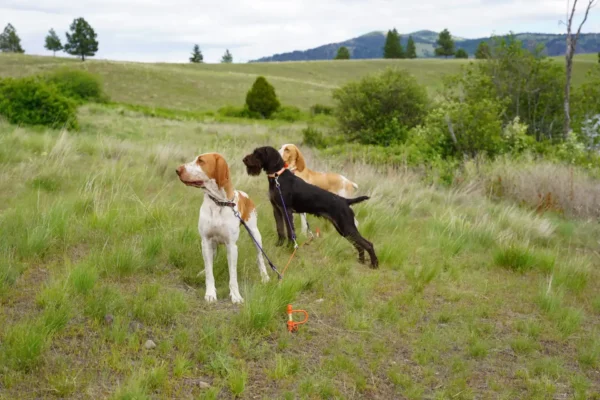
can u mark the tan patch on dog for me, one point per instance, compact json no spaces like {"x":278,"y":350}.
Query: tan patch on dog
{"x":215,"y":167}
{"x":329,"y":181}
{"x":245,"y":206}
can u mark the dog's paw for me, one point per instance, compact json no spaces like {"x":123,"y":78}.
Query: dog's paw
{"x":210,"y":297}
{"x":236,"y":298}
{"x":280,"y":242}
{"x":265,"y":278}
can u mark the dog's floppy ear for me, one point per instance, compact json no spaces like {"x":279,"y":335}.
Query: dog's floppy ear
{"x":300,"y":163}
{"x":221,"y":171}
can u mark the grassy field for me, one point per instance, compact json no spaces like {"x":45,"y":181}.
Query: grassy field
{"x":99,"y":252}
{"x":211,"y":86}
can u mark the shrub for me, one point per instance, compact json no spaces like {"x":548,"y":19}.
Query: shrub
{"x":381,"y":108}
{"x":78,"y":85}
{"x":288,"y":113}
{"x":531,"y":84}
{"x":238,"y":112}
{"x":466,"y":128}
{"x":30,"y":101}
{"x":261,"y":98}
{"x":313,"y":137}
{"x":321,"y":109}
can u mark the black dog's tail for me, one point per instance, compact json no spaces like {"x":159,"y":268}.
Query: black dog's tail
{"x":357,"y":200}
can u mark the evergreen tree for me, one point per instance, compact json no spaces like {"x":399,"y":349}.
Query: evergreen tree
{"x":483,"y":51}
{"x":227,"y":57}
{"x":445,"y":44}
{"x":82,"y":39}
{"x":53,"y":42}
{"x":599,"y":57}
{"x":461,"y":53}
{"x":196,"y":55}
{"x":411,"y":48}
{"x":392,"y":47}
{"x":10,"y":42}
{"x":261,"y":98}
{"x":342,"y":54}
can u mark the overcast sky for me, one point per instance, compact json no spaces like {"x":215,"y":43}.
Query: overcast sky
{"x":166,"y":30}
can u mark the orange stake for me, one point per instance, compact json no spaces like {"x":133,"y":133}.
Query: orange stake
{"x":291,"y":324}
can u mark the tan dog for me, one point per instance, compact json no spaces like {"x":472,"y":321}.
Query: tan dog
{"x":332,"y":182}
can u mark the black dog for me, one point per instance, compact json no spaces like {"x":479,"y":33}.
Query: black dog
{"x":302,"y":197}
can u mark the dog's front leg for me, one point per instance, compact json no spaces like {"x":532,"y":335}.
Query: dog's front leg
{"x":278,"y":214}
{"x":208,"y":254}
{"x":289,"y":224}
{"x":234,"y":291}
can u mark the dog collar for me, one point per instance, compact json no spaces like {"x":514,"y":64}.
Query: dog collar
{"x":276,"y":174}
{"x":222,"y":203}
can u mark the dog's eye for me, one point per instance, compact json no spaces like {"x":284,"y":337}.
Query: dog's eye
{"x":200,"y":161}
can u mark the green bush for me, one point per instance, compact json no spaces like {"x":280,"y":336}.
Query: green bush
{"x":238,"y":112}
{"x":287,"y":113}
{"x":381,"y":108}
{"x":531,"y":84}
{"x":31,"y":101}
{"x":79,"y":85}
{"x":261,"y":98}
{"x":321,"y":109}
{"x":313,"y":137}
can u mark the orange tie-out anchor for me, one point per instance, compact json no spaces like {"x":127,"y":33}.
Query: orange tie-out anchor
{"x":291,"y":324}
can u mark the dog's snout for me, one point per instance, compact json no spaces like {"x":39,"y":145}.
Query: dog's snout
{"x":179,"y":170}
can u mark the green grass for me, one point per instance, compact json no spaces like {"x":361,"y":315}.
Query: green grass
{"x":207,"y":87}
{"x":99,"y":252}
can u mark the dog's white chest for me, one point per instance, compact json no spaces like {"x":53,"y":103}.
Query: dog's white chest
{"x":218,"y":223}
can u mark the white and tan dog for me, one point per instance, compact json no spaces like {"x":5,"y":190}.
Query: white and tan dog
{"x":217,"y":223}
{"x":332,"y":182}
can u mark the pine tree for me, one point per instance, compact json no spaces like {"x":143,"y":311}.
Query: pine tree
{"x":261,"y":98}
{"x":461,"y":53}
{"x":445,"y":43}
{"x":82,"y":39}
{"x":411,"y":48}
{"x":53,"y":42}
{"x":392,"y":47}
{"x":227,"y":57}
{"x":342,"y":54}
{"x":196,"y":55}
{"x":483,"y":51}
{"x":10,"y":42}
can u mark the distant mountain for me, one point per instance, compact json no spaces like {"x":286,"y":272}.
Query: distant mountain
{"x":371,"y":46}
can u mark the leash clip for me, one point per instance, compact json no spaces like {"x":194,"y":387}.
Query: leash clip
{"x":291,"y":324}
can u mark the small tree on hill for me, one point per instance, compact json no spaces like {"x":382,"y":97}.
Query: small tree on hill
{"x":342,"y":54}
{"x":445,"y":44}
{"x":599,"y":57}
{"x":10,"y":42}
{"x":461,"y":53}
{"x":227,"y":57}
{"x":196,"y":55}
{"x":392,"y":47}
{"x":82,"y":39}
{"x":261,"y":98}
{"x":483,"y":51}
{"x":411,"y":48}
{"x":53,"y":42}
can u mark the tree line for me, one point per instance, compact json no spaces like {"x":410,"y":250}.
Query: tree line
{"x":198,"y":58}
{"x":80,"y":40}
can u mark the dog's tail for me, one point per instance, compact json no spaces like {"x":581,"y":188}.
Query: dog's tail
{"x":357,"y":200}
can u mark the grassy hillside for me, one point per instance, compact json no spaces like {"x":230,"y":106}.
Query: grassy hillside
{"x":210,"y":86}
{"x":99,"y":252}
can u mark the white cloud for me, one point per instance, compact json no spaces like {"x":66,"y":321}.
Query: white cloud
{"x":156,"y":30}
